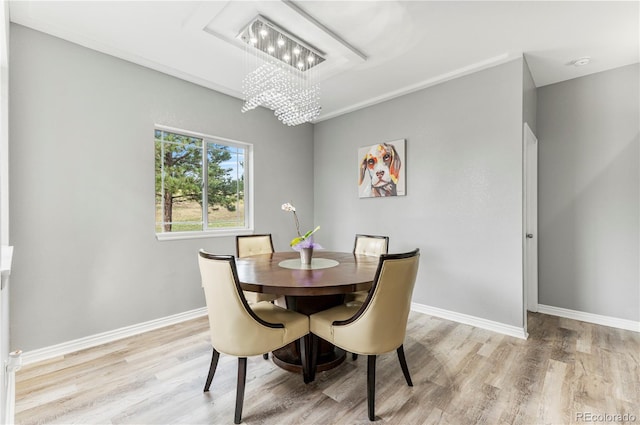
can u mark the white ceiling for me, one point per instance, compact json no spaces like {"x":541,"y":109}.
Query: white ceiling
{"x":376,"y":50}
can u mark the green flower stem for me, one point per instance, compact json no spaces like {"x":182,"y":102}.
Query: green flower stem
{"x":295,"y":216}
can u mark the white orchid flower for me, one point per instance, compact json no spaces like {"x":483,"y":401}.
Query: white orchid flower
{"x":302,"y":241}
{"x":288,"y":207}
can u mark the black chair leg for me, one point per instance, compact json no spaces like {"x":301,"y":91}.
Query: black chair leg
{"x":403,"y":365}
{"x":242,"y":378}
{"x":371,"y":386}
{"x":354,"y":356}
{"x":265,"y":356}
{"x":212,"y":369}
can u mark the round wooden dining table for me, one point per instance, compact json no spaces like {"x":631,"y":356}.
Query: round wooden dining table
{"x":308,"y":290}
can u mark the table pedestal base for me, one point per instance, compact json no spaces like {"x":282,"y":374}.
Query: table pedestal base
{"x":292,"y":363}
{"x":329,"y":356}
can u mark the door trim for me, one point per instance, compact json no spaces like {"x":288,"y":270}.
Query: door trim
{"x":530,"y":220}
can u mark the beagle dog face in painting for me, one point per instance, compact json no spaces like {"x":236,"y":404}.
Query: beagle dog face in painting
{"x":382,"y":162}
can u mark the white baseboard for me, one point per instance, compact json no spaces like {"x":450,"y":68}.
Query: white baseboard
{"x":613,"y":322}
{"x":57,"y":350}
{"x":478,"y":322}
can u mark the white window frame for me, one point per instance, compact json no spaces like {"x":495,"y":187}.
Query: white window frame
{"x":248,"y":189}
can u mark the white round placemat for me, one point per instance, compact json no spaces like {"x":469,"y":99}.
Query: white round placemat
{"x":316,"y":264}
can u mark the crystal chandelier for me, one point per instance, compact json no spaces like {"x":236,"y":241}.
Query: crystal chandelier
{"x":282,"y":73}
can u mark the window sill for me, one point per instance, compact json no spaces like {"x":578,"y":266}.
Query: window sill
{"x":200,"y":235}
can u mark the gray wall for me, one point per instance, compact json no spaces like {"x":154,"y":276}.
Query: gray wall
{"x":82,"y":188}
{"x":463,"y":207}
{"x":530,"y":98}
{"x":589,"y":184}
{"x":4,"y":123}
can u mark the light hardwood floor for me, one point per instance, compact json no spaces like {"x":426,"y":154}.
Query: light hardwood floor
{"x":461,"y":375}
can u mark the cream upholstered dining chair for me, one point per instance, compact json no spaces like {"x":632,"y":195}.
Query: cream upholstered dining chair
{"x":247,"y":245}
{"x":371,"y":245}
{"x":241,"y":330}
{"x":378,"y":325}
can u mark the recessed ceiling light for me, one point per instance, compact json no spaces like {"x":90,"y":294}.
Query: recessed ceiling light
{"x":582,"y":61}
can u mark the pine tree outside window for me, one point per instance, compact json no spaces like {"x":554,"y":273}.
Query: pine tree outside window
{"x":185,"y":164}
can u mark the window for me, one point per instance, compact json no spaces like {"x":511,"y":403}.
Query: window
{"x":185,"y":164}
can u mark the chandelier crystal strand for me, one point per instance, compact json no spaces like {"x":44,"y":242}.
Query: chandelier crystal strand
{"x":293,"y":100}
{"x":282,"y":77}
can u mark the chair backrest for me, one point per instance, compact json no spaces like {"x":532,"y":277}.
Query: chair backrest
{"x":235,"y":328}
{"x":380,"y":324}
{"x":372,"y":245}
{"x":247,"y":245}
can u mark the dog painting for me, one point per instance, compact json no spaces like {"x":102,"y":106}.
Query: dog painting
{"x":381,"y":171}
